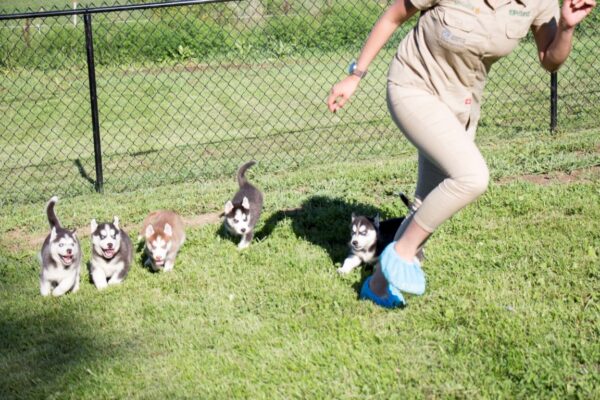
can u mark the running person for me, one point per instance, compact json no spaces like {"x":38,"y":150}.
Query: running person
{"x":434,"y":88}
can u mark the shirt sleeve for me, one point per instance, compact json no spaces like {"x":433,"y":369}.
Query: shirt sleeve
{"x":424,"y":4}
{"x":548,"y":10}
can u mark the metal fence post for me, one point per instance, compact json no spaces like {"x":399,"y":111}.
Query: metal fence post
{"x":553,"y":101}
{"x":89,"y":45}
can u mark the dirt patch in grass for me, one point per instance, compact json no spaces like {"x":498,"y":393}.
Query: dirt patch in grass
{"x":16,"y":240}
{"x":578,"y":175}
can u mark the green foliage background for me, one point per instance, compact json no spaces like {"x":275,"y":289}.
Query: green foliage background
{"x":193,"y":33}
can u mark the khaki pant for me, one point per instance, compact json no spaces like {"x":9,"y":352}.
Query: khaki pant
{"x":452,"y":172}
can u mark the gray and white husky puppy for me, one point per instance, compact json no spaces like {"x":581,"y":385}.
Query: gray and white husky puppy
{"x":60,"y":257}
{"x":371,"y":235}
{"x":112,"y":253}
{"x":243,"y":211}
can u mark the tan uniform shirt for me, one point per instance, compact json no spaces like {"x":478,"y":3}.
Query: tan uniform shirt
{"x":455,"y":42}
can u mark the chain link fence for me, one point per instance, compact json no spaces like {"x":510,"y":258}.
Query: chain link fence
{"x":188,"y":92}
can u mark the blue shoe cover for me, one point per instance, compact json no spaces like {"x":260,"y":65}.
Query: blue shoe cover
{"x":394,"y":298}
{"x":402,"y":275}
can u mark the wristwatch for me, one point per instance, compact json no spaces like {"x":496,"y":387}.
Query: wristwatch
{"x":356,"y":72}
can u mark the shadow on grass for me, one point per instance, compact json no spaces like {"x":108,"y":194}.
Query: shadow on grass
{"x":224,"y":234}
{"x":140,"y":258}
{"x":43,"y":354}
{"x":323,"y":221}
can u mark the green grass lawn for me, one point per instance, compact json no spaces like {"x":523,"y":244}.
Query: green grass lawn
{"x":511,"y":308}
{"x":512,"y":304}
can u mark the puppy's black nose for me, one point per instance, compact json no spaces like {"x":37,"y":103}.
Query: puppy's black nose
{"x":110,"y":245}
{"x":354,"y":243}
{"x":243,"y":230}
{"x":69,"y":251}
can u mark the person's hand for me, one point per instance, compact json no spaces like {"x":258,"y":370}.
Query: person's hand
{"x":574,"y":11}
{"x":341,"y":92}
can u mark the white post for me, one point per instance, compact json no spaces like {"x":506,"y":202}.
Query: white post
{"x":38,"y":26}
{"x":74,"y":15}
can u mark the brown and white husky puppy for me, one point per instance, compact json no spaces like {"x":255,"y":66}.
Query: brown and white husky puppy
{"x":60,"y":257}
{"x":164,"y":235}
{"x":112,"y":253}
{"x":243,"y":211}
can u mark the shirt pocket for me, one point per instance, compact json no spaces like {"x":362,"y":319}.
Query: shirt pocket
{"x":456,"y":29}
{"x":516,"y":30}
{"x":459,"y":20}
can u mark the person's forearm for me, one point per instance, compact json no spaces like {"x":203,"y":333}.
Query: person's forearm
{"x":559,"y":49}
{"x":394,"y":16}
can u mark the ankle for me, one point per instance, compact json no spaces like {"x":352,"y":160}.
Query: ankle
{"x":378,"y":285}
{"x":407,"y":253}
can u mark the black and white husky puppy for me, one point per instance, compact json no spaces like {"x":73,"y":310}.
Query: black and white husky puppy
{"x":112,"y":253}
{"x":60,"y":257}
{"x":243,"y":211}
{"x":369,"y":237}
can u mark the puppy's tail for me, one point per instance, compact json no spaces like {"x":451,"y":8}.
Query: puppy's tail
{"x":52,"y":218}
{"x":405,"y":200}
{"x":241,"y":178}
{"x":412,"y":206}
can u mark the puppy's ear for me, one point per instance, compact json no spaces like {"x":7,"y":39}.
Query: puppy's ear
{"x":149,"y":231}
{"x":116,"y":222}
{"x":228,"y":207}
{"x":246,"y":203}
{"x":53,"y":234}
{"x":353,"y":216}
{"x":93,"y":226}
{"x":74,"y":233}
{"x":168,"y":230}
{"x":376,"y":221}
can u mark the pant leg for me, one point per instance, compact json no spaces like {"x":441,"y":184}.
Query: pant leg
{"x":455,"y":173}
{"x":429,"y":177}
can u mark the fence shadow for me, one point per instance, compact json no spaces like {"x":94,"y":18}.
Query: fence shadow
{"x":83,"y":173}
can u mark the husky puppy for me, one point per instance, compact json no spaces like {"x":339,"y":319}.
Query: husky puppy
{"x":369,"y":237}
{"x":243,"y":211}
{"x":60,"y":257}
{"x":164,"y":235}
{"x":112,"y":253}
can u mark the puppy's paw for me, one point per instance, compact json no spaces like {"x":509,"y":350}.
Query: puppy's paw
{"x":349,"y":264}
{"x":101,"y":285}
{"x":343,"y":270}
{"x":169,"y":265}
